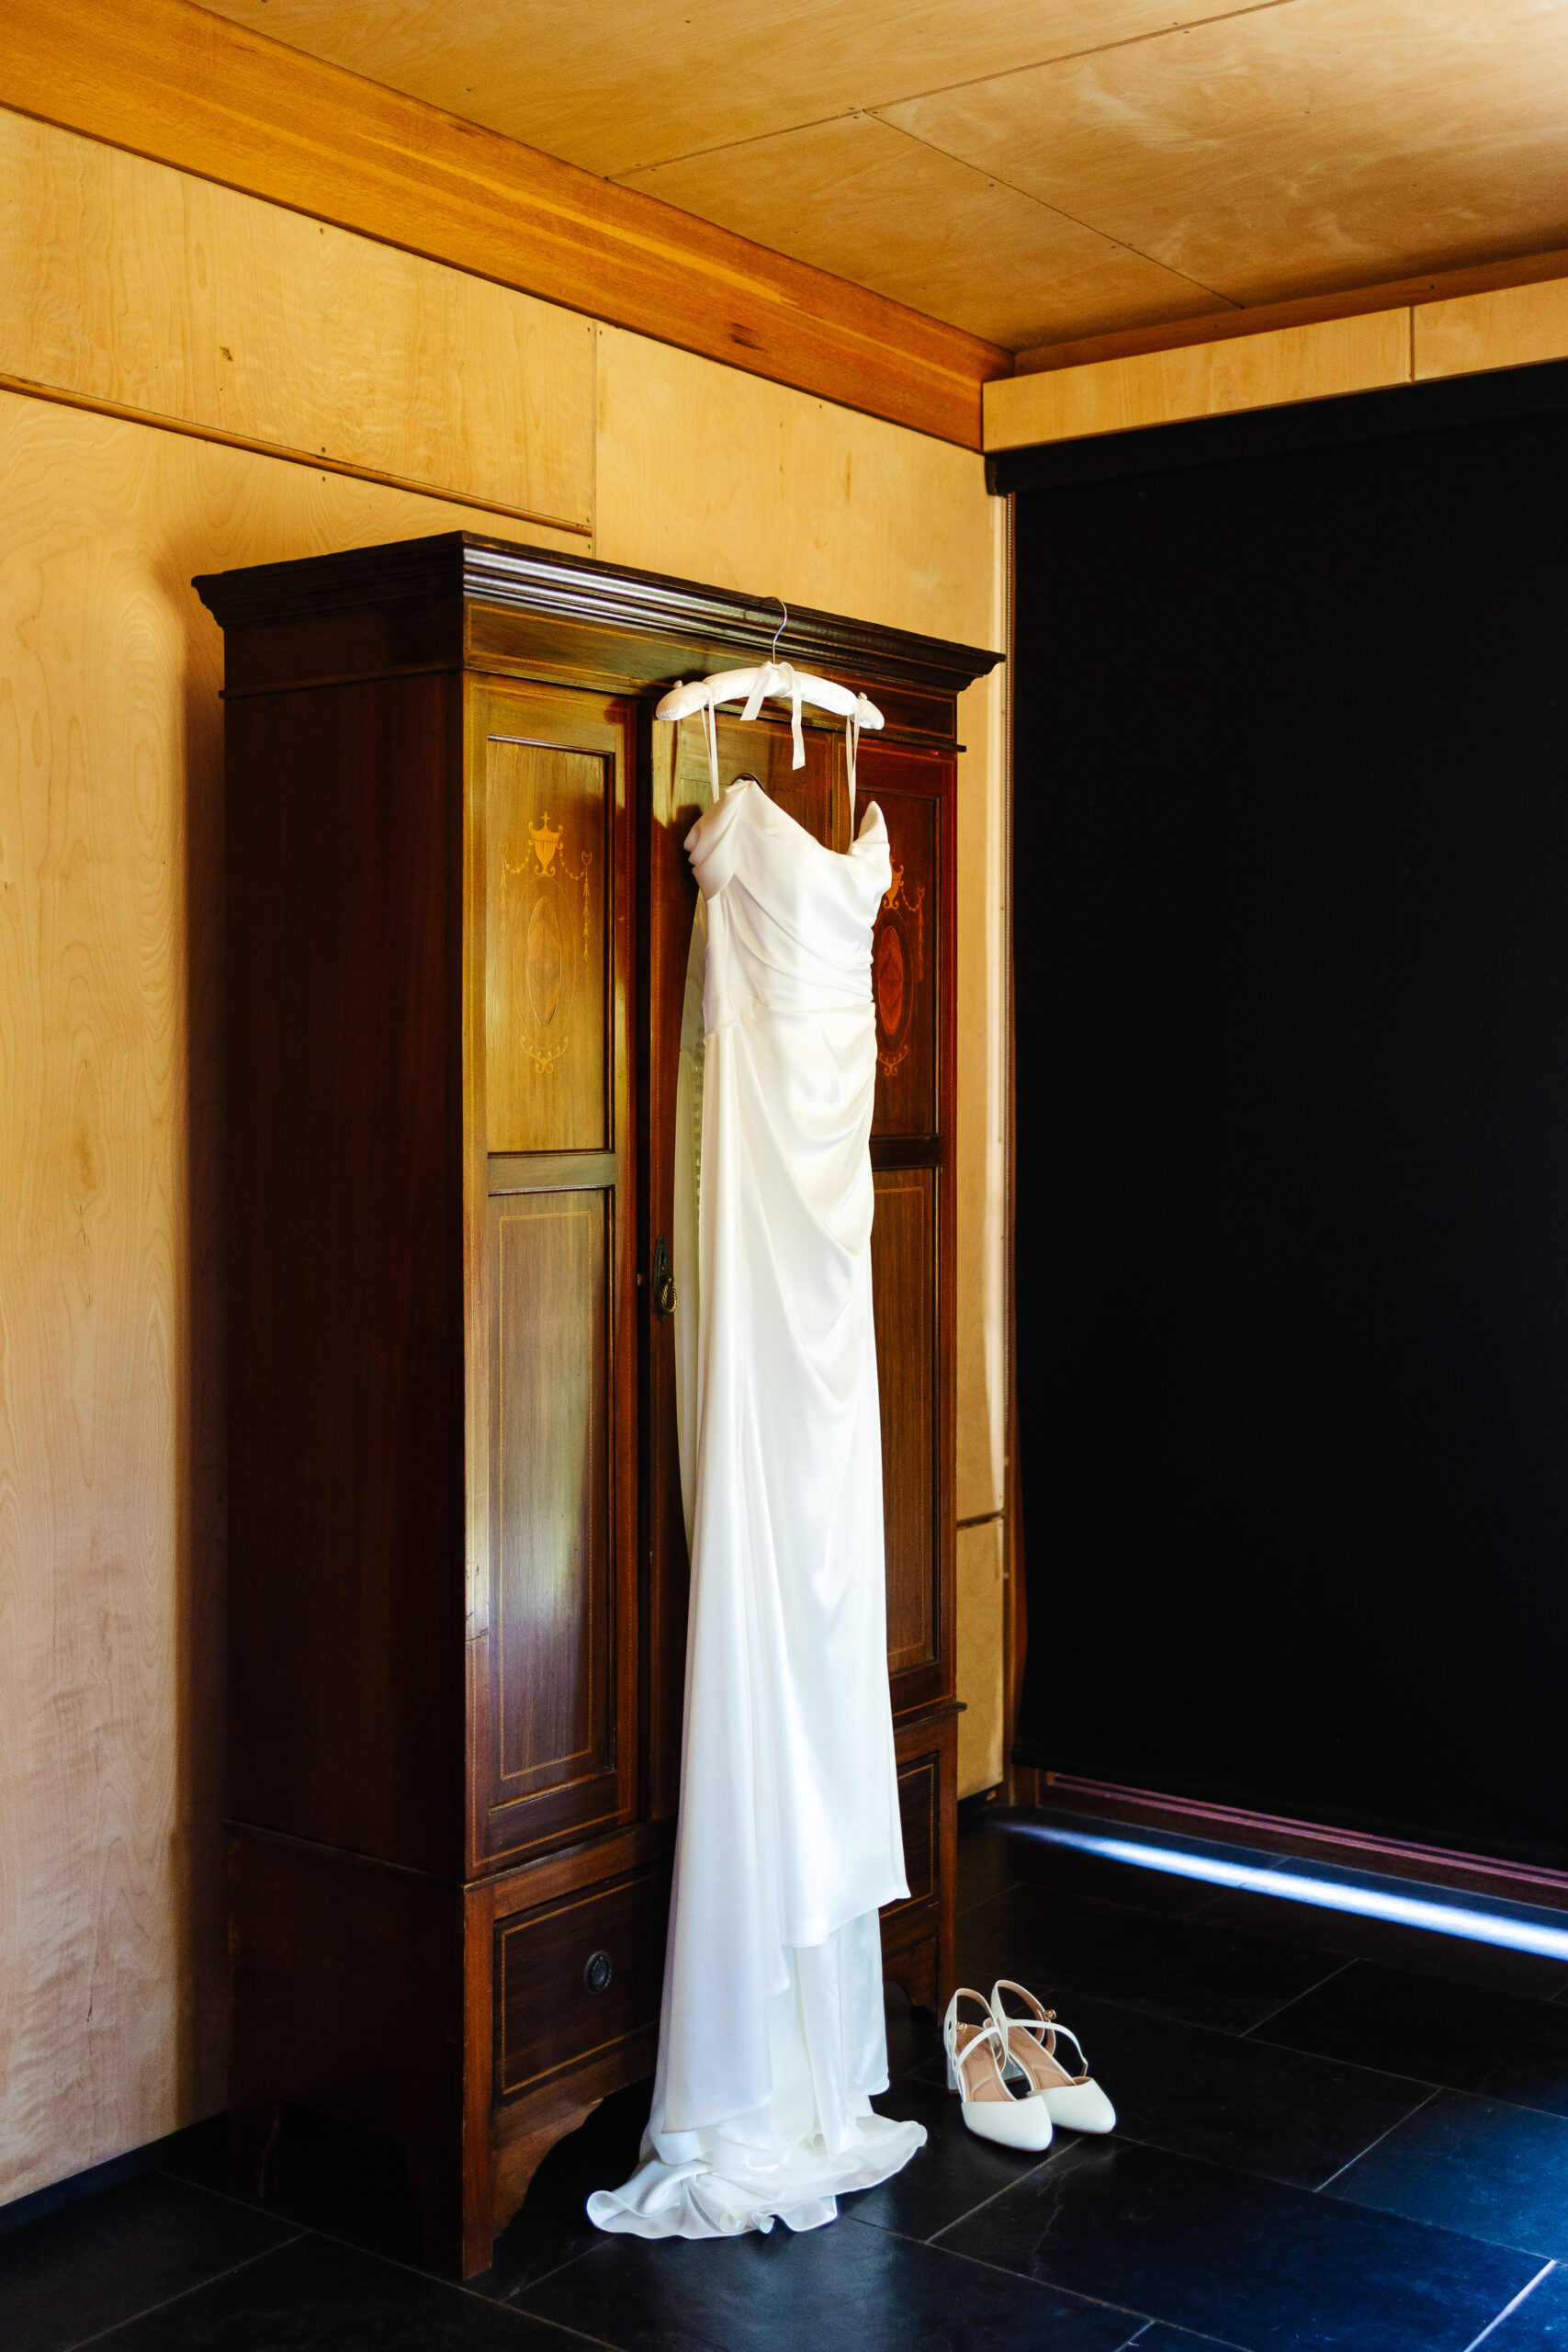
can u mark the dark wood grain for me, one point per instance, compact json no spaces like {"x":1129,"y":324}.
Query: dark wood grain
{"x":552,"y":1728}
{"x":907,"y":950}
{"x":904,"y":1281}
{"x":344,"y":1454}
{"x":575,"y":1980}
{"x":506,"y":586}
{"x":339,"y":1969}
{"x":553,"y":1407}
{"x":455,"y":1474}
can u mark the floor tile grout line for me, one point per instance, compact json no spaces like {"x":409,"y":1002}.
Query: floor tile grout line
{"x":516,"y":2294}
{"x":299,"y":2230}
{"x":1509,"y":2308}
{"x":1397,"y":2125}
{"x":970,"y":2211}
{"x":134,"y":2319}
{"x":1258,"y":2023}
{"x":1054,"y":2286}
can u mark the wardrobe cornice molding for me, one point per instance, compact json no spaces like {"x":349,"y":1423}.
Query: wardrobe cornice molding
{"x":182,"y":87}
{"x":665,"y":627}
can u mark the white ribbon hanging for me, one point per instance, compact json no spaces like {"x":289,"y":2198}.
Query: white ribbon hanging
{"x":772,"y":681}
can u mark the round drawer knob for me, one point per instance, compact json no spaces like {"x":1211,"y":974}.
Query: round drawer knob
{"x":598,"y":1972}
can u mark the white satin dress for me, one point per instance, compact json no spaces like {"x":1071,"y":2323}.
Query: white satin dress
{"x":772,"y":2037}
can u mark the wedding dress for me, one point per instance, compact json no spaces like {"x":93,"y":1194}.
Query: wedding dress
{"x":771,"y":2039}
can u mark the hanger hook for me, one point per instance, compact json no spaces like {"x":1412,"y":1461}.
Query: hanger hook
{"x":773,"y":648}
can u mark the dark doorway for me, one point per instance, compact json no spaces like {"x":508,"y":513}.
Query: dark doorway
{"x":1292,"y":939}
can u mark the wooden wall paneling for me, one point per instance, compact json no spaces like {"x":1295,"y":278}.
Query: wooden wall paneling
{"x":112,"y":1493}
{"x":757,"y":487}
{"x":127,"y":284}
{"x":111,"y":1242}
{"x":553,"y":1235}
{"x":344,"y":1407}
{"x":168,"y":80}
{"x":1305,"y":363}
{"x":1515,"y":327}
{"x":1259,"y":318}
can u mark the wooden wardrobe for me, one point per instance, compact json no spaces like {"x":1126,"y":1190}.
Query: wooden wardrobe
{"x":458,"y":920}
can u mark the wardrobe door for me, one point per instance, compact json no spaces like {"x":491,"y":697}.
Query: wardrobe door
{"x":550,"y":1267}
{"x":911,"y":1242}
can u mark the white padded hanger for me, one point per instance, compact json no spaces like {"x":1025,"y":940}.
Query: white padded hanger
{"x":772,"y":681}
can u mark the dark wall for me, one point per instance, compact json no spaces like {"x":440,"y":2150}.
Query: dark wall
{"x":1291,"y":939}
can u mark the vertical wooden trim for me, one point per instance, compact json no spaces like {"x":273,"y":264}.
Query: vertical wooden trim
{"x":1015,"y":1598}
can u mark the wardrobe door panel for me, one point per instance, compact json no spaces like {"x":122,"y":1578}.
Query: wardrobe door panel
{"x":552,"y":1438}
{"x":903,"y":1275}
{"x":547,"y":1016}
{"x":905,"y":947}
{"x":550,"y":1597}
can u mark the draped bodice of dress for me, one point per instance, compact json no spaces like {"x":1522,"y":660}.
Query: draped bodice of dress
{"x":794,"y":933}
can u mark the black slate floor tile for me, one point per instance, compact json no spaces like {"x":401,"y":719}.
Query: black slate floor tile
{"x":1540,"y":2322}
{"x":1501,"y":2045}
{"x":999,"y":1850}
{"x":1451,"y":1957}
{"x":1270,"y":2268}
{"x":914,"y":2036}
{"x":329,"y":2175}
{"x":1198,"y":2093}
{"x":950,"y":2176}
{"x":82,"y":2267}
{"x":1061,"y":1945}
{"x":316,"y":2296}
{"x":1157,"y":2337}
{"x":1495,"y":2172}
{"x":552,"y":2227}
{"x":845,"y":2285}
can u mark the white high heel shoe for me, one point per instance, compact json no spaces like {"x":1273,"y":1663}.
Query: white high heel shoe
{"x":976,"y":2056}
{"x":1074,"y":2101}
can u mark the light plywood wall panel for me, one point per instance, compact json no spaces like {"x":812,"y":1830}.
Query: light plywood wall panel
{"x":1304,"y":363}
{"x":125,"y":283}
{"x":1515,"y":327}
{"x":980,"y":1760}
{"x":719,"y":476}
{"x":111,"y":1513}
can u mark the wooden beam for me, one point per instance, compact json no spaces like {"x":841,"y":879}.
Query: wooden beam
{"x":175,"y":83}
{"x":1314,"y":362}
{"x":1225,"y":326}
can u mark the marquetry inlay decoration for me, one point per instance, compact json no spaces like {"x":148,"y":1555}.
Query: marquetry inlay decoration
{"x":547,"y":1004}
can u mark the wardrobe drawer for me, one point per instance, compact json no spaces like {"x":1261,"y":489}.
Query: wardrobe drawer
{"x":919,"y":1798}
{"x":573,"y":1980}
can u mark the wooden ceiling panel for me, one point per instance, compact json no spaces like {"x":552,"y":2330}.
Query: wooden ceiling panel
{"x":1295,"y":148}
{"x":1120,"y":152}
{"x":884,"y":211}
{"x":616,"y":84}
